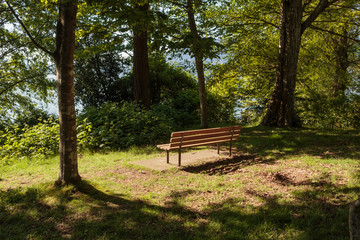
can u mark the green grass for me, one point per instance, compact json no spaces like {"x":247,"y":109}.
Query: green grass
{"x":284,"y":184}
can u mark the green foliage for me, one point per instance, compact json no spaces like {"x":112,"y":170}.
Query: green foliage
{"x":97,"y":79}
{"x":242,"y":82}
{"x":329,"y":112}
{"x":327,"y":88}
{"x":182,"y":110}
{"x":328,"y":77}
{"x":31,"y":116}
{"x":85,"y":140}
{"x":167,"y":80}
{"x":220,"y":109}
{"x":37,"y":142}
{"x":121,"y":125}
{"x":113,"y":126}
{"x":24,"y":72}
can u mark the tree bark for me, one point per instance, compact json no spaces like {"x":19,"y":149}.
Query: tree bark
{"x":199,"y":65}
{"x":141,"y":63}
{"x":64,"y":61}
{"x":354,"y":220}
{"x":342,"y":64}
{"x":280,"y":110}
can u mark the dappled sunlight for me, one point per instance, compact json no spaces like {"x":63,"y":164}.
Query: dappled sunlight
{"x":285,"y":143}
{"x":87,"y":212}
{"x":300,"y":193}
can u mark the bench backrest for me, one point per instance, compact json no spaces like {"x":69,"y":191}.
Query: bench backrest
{"x":201,"y":137}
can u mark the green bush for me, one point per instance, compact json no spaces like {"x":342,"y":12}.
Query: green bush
{"x":182,"y":111}
{"x":330,"y":112}
{"x":220,"y":109}
{"x":111,"y":127}
{"x":121,"y":125}
{"x":38,"y":141}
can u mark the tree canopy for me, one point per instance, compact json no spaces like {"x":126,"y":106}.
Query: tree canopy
{"x":237,"y":41}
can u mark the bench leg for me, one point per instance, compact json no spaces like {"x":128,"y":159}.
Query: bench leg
{"x":218,"y":148}
{"x":167,"y":156}
{"x":230,"y":148}
{"x":179,"y":157}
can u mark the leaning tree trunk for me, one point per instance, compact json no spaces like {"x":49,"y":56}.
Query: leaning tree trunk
{"x":141,"y":63}
{"x":280,"y":112}
{"x":64,"y":60}
{"x":199,"y":65}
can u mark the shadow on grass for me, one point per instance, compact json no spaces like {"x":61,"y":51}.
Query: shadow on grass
{"x":265,"y":145}
{"x":88,"y":213}
{"x":288,"y":142}
{"x":227,"y":165}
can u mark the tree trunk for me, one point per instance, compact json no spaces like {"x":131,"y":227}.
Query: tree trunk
{"x":342,"y":64}
{"x":199,"y":65}
{"x":202,"y":91}
{"x":280,"y":111}
{"x":64,"y":60}
{"x":141,"y":63}
{"x":354,"y":220}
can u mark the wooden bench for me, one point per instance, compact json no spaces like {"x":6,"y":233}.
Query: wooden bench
{"x":200,"y":137}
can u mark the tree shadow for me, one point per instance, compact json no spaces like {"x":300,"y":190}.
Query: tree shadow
{"x":310,"y":217}
{"x":25,"y":215}
{"x":227,"y":165}
{"x":265,"y":145}
{"x":279,"y":143}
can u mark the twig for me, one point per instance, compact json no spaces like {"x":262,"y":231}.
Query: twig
{"x":27,"y":31}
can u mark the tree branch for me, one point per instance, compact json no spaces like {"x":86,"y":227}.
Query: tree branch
{"x":334,"y":33}
{"x":323,"y":4}
{"x":262,"y":20}
{"x":178,"y":4}
{"x":27,"y":31}
{"x":16,"y":83}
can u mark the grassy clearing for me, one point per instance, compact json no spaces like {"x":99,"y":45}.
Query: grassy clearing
{"x":284,"y":184}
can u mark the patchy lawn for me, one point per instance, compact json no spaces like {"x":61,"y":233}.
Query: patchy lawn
{"x":283,"y":184}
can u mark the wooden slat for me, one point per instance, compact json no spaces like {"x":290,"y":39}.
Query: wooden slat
{"x":164,"y":146}
{"x":202,"y":131}
{"x":203,"y":136}
{"x":202,"y":144}
{"x":202,"y":141}
{"x":206,"y":139}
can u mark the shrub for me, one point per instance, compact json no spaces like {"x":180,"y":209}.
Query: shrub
{"x":40,"y":141}
{"x":111,"y":127}
{"x":330,"y":112}
{"x":183,"y":110}
{"x":121,"y":125}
